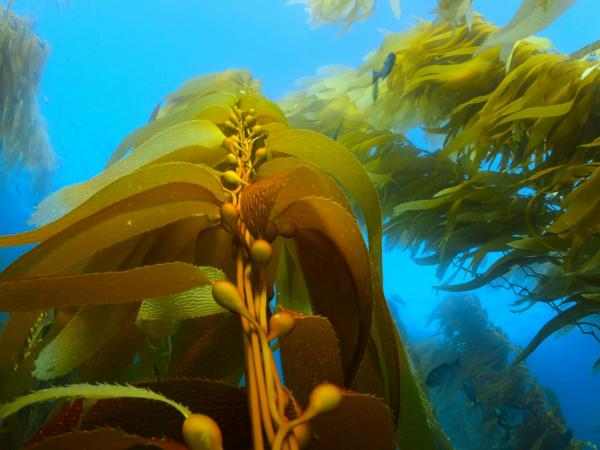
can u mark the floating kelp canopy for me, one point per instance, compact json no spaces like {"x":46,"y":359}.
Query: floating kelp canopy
{"x":470,"y":402}
{"x":514,"y":177}
{"x":531,"y":16}
{"x":23,"y":138}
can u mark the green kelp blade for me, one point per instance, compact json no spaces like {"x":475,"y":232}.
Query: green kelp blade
{"x":157,"y":280}
{"x":563,"y":319}
{"x":202,"y":135}
{"x":196,"y":302}
{"x":292,"y":292}
{"x":579,"y":203}
{"x":89,"y":329}
{"x":90,"y":391}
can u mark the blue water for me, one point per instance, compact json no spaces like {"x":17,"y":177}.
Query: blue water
{"x":113,"y":60}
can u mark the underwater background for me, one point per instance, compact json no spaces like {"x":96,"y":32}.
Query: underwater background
{"x":111,"y":61}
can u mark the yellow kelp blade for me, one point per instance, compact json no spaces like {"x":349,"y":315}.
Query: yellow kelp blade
{"x":204,"y":137}
{"x":157,"y":280}
{"x":137,"y":182}
{"x":213,"y":108}
{"x":84,"y":239}
{"x":94,"y":325}
{"x":531,"y":17}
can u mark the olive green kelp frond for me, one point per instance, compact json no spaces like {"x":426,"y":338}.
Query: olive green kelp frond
{"x":512,"y":181}
{"x":24,"y":141}
{"x":165,"y":266}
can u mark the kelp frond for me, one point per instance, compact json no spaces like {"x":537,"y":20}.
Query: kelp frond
{"x":515,"y":168}
{"x":341,"y":12}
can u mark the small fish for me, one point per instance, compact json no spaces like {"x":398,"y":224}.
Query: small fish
{"x":338,"y":130}
{"x":469,"y":389}
{"x":563,"y":441}
{"x":397,"y":299}
{"x":441,"y":374}
{"x":386,"y":69}
{"x":510,"y":416}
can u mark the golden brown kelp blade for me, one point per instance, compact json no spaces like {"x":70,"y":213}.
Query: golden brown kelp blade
{"x":343,"y":294}
{"x":206,"y":358}
{"x":226,"y":404}
{"x":301,"y":370}
{"x":102,"y":439}
{"x":368,"y":422}
{"x":25,"y":141}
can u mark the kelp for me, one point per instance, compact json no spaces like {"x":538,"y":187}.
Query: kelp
{"x":341,"y":12}
{"x":484,"y":351}
{"x":24,"y":141}
{"x":509,"y":187}
{"x":531,"y":16}
{"x":164,"y":266}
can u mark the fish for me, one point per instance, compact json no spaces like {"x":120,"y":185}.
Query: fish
{"x":510,"y":416}
{"x":442,"y":374}
{"x":386,"y":69}
{"x":563,"y":440}
{"x":397,"y":299}
{"x":470,"y":391}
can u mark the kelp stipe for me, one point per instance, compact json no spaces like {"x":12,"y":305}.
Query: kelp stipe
{"x":161,"y":272}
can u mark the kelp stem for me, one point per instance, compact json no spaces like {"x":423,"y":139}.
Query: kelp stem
{"x":266,"y":400}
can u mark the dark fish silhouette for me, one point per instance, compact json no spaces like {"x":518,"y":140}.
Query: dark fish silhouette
{"x":510,"y":416}
{"x":386,"y":69}
{"x":564,"y":440}
{"x":441,"y":374}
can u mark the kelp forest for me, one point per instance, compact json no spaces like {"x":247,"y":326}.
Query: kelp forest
{"x":219,"y":284}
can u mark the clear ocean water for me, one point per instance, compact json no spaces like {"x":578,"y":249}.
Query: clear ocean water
{"x":113,"y":60}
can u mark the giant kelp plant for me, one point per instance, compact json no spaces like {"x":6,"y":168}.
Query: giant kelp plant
{"x":514,"y":170}
{"x":161,"y":272}
{"x":211,"y":288}
{"x":23,"y":138}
